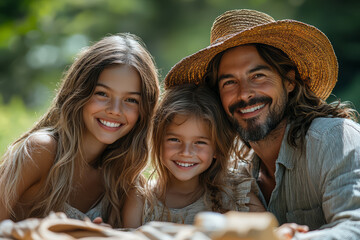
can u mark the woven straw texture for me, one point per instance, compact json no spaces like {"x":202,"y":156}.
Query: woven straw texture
{"x":305,"y":45}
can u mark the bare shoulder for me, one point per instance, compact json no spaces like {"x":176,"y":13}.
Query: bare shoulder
{"x":133,"y":210}
{"x":44,"y":141}
{"x":135,"y":198}
{"x":41,"y":152}
{"x":33,"y":159}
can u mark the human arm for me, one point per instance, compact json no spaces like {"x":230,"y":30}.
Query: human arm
{"x":22,"y":177}
{"x":132,"y":211}
{"x":245,"y":191}
{"x":100,"y":221}
{"x":255,"y":204}
{"x":288,"y":230}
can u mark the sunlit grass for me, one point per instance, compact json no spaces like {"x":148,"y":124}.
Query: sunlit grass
{"x":15,"y":119}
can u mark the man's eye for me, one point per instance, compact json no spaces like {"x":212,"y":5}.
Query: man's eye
{"x":229,"y":82}
{"x":258,"y":75}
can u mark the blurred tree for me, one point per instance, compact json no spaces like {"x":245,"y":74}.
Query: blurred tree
{"x":340,"y":21}
{"x":40,"y":38}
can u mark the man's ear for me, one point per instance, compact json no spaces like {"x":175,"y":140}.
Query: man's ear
{"x":290,"y":85}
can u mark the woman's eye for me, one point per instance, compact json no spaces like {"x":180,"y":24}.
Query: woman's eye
{"x":100,"y":93}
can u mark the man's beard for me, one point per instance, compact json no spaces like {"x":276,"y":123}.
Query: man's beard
{"x":255,"y":131}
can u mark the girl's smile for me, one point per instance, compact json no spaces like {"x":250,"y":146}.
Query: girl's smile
{"x":184,"y":164}
{"x":187,"y":147}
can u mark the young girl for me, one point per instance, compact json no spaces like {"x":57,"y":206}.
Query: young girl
{"x":90,"y":147}
{"x":192,"y":143}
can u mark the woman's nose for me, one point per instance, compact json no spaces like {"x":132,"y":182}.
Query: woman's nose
{"x":115,"y":107}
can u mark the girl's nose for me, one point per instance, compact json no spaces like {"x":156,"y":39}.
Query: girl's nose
{"x":187,"y":150}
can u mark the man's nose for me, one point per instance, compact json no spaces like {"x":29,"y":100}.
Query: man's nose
{"x":245,"y":91}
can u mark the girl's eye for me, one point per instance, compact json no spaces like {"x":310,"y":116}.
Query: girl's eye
{"x":200,"y":142}
{"x":101,"y":93}
{"x":132,"y":100}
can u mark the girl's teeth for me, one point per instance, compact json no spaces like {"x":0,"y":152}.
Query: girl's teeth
{"x":252,"y":109}
{"x":110,"y":124}
{"x":185,"y":164}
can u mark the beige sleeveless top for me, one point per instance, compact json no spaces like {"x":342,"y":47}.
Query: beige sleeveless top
{"x":238,"y":187}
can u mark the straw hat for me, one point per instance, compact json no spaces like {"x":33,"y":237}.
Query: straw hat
{"x":305,"y":45}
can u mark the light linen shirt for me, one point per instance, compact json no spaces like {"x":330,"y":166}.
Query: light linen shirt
{"x":319,"y":186}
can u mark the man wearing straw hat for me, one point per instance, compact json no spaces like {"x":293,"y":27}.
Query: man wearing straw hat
{"x":273,"y":78}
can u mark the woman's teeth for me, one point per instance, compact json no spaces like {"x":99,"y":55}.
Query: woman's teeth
{"x":109,"y":124}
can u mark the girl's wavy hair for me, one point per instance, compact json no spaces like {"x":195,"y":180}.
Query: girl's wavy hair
{"x":121,"y":162}
{"x":303,"y":105}
{"x":201,"y":102}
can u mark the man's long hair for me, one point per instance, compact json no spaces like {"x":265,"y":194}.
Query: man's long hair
{"x":303,"y":105}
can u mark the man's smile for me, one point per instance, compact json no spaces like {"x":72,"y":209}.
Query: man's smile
{"x":251,"y":109}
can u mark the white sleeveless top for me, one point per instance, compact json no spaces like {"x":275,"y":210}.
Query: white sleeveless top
{"x":93,"y":212}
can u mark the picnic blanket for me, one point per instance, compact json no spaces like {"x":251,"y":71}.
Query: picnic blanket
{"x":208,"y":225}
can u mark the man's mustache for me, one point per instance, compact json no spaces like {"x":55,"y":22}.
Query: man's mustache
{"x":253,"y":101}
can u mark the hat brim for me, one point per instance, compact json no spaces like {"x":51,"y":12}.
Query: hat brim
{"x":305,"y":45}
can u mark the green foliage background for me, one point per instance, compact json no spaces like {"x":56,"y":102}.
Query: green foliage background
{"x":39,"y":40}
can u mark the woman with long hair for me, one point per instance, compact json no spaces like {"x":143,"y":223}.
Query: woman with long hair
{"x":91,"y":146}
